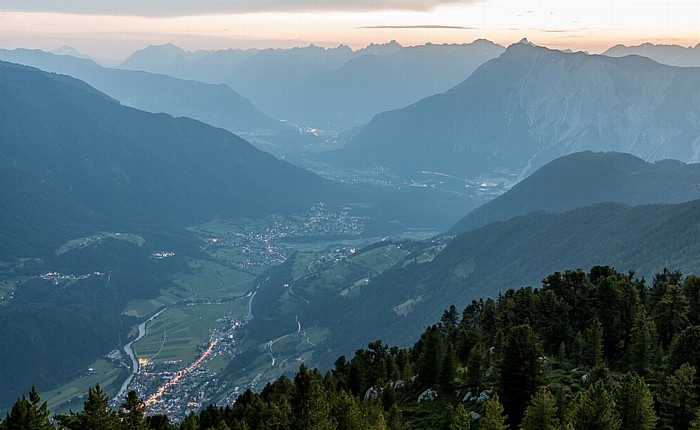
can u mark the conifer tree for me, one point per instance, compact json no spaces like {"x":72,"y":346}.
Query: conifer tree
{"x":577,"y":350}
{"x":519,"y":371}
{"x":448,"y":368}
{"x":477,"y":363}
{"x":542,"y":412}
{"x":685,"y":348}
{"x":95,"y":415}
{"x":671,"y":314}
{"x":394,"y":419}
{"x":594,"y":410}
{"x":677,"y":400}
{"x":593,"y":338}
{"x":462,"y":419}
{"x":494,"y":417}
{"x":131,"y":413}
{"x":695,"y":424}
{"x":641,"y":350}
{"x":28,"y":414}
{"x":635,"y":404}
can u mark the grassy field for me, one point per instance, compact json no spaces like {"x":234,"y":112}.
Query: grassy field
{"x":70,"y":396}
{"x":175,"y":334}
{"x":212,"y":280}
{"x":205,"y":280}
{"x":97,"y":238}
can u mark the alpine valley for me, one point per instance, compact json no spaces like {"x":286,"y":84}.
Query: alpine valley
{"x":434,"y":236}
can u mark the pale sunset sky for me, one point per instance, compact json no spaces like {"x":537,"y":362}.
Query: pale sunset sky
{"x":112,"y":29}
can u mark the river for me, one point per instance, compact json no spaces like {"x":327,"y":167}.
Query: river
{"x":129,"y":349}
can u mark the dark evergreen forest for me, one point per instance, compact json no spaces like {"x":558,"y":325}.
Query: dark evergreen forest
{"x":586,"y":350}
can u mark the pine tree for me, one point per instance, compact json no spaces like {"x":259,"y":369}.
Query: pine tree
{"x":462,"y":419}
{"x":691,"y":289}
{"x":494,"y":418}
{"x":394,"y":419}
{"x":519,"y":371}
{"x":310,"y":401}
{"x":29,"y":414}
{"x":671,"y":314}
{"x":678,"y":398}
{"x":432,"y":356}
{"x":635,"y":404}
{"x":477,"y":363}
{"x":685,"y":348}
{"x":695,"y":424}
{"x":95,"y":415}
{"x":641,"y":350}
{"x":542,"y":412}
{"x":448,"y":368}
{"x":594,"y":410}
{"x":577,"y":350}
{"x":131,"y":413}
{"x":593,"y":338}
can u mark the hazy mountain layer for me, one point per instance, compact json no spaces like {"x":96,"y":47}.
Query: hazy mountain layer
{"x":673,"y":55}
{"x":86,"y":154}
{"x":585,"y":178}
{"x":324,"y":88}
{"x":217,"y":105}
{"x":532,"y":105}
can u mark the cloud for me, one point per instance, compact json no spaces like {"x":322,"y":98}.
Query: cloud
{"x":169,"y":8}
{"x":428,"y":26}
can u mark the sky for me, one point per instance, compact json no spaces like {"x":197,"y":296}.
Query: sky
{"x":113,"y":29}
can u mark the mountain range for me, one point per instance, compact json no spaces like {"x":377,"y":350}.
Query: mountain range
{"x":331,"y":89}
{"x":217,"y":105}
{"x":672,"y":55}
{"x":531,"y":105}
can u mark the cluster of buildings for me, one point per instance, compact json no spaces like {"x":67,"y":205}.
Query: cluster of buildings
{"x":174,"y":389}
{"x":263,"y":248}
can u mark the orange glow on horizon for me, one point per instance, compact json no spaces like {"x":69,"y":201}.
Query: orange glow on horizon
{"x":592,"y":26}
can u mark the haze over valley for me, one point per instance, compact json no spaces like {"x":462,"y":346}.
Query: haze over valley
{"x":358,"y":216}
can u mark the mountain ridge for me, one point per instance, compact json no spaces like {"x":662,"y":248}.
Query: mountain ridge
{"x":532,"y":105}
{"x":135,"y":168}
{"x":217,"y":105}
{"x":310,"y":86}
{"x":586,"y":178}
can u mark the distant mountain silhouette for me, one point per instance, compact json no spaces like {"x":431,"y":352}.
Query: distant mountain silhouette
{"x":217,"y":105}
{"x":585,"y":178}
{"x":532,"y":105}
{"x":73,"y":157}
{"x":324,"y":88}
{"x":672,"y":55}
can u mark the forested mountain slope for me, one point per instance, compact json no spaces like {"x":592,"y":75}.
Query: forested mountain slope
{"x":586,"y":178}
